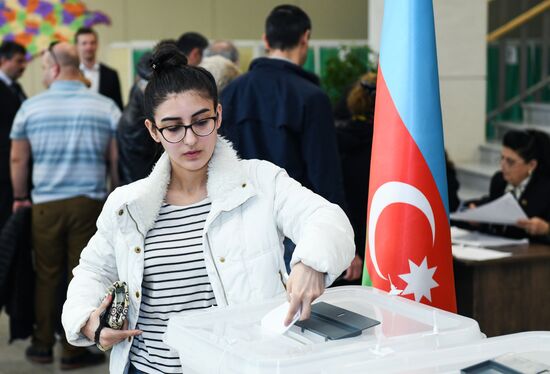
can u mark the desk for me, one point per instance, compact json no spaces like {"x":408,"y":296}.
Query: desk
{"x":506,"y":295}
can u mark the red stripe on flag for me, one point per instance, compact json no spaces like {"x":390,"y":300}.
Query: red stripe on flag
{"x":404,"y":249}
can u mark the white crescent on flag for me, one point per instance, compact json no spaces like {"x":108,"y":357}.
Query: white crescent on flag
{"x":393,"y":193}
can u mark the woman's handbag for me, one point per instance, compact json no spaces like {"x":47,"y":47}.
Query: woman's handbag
{"x":115,"y":315}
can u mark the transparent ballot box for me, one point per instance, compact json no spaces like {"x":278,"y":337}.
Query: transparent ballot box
{"x":526,"y":352}
{"x":231,"y":339}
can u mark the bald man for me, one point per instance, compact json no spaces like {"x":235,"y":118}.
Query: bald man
{"x":69,"y":132}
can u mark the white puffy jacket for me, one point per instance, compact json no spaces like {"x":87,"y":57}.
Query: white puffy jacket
{"x":255,"y":204}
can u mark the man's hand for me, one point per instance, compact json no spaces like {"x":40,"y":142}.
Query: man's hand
{"x":303,"y":287}
{"x":534,"y":226}
{"x":355,"y":269}
{"x":108,"y":336}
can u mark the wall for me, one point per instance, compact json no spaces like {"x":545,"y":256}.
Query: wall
{"x":461,"y":28}
{"x":216,"y":19}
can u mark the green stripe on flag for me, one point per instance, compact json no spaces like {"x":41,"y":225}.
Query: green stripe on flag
{"x":366,"y":278}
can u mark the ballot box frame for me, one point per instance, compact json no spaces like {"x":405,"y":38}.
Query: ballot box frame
{"x":506,"y":295}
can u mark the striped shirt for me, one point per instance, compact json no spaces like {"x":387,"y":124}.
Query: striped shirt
{"x":174,"y":280}
{"x":69,"y":129}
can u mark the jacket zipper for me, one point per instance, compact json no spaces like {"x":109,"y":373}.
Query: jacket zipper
{"x":215,"y":267}
{"x":135,"y":223}
{"x":143,"y":246}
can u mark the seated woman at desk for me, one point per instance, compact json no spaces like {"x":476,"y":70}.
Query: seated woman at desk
{"x":525,"y":172}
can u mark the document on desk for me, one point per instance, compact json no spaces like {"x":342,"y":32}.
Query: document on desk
{"x":477,"y":239}
{"x":477,"y":254}
{"x":503,"y":211}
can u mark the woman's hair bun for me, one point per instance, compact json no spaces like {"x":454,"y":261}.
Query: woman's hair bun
{"x":167,"y":56}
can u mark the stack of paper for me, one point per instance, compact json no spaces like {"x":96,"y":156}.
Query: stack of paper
{"x":476,"y":239}
{"x":477,"y":254}
{"x":504,"y":211}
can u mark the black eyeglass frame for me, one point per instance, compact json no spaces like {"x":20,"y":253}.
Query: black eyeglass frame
{"x":190,"y":126}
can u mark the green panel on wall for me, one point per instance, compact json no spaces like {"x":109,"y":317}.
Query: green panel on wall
{"x":136,"y":55}
{"x":511,"y":82}
{"x":310,"y":61}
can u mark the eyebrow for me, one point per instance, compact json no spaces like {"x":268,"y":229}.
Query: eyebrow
{"x":203,"y":110}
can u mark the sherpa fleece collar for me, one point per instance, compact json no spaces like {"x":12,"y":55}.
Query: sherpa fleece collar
{"x":226,"y":185}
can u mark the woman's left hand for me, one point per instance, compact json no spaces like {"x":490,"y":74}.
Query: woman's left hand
{"x":534,"y":226}
{"x":355,"y":269}
{"x":303,"y":287}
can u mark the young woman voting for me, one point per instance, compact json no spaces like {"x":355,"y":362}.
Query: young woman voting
{"x":204,"y":229}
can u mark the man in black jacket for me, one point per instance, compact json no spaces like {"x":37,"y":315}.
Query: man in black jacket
{"x":12,"y":66}
{"x":278,"y":112}
{"x":103,"y":79}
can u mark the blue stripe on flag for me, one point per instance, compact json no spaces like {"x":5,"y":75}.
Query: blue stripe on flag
{"x":408,"y":61}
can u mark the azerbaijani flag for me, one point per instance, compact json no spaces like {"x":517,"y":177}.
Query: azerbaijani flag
{"x":409,"y":245}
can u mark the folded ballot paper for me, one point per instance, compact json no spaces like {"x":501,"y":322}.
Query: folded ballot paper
{"x":504,"y":211}
{"x":274,"y":320}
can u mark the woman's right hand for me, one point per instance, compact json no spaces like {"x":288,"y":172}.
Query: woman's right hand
{"x":108,"y":336}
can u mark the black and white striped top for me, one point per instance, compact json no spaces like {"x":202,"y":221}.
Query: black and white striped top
{"x":174,"y":280}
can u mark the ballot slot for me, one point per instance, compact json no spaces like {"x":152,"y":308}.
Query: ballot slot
{"x":335,"y":323}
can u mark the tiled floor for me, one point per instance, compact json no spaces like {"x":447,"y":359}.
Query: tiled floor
{"x":12,"y":357}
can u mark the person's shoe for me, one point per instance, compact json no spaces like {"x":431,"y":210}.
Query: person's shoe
{"x":84,"y":359}
{"x":39,"y":355}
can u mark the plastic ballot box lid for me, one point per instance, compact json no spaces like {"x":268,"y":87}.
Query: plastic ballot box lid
{"x":526,"y":352}
{"x":231,"y":339}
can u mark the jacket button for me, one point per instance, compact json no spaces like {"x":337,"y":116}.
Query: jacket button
{"x":244,"y":185}
{"x":120,"y":212}
{"x":137,"y":294}
{"x":222,"y":259}
{"x":137,"y":249}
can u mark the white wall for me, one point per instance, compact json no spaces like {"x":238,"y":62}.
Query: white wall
{"x":461,"y":28}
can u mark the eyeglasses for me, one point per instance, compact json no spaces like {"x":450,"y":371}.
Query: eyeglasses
{"x":50,"y":49}
{"x":510,"y":162}
{"x":176,"y":133}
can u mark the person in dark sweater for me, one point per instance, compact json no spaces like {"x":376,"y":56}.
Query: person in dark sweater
{"x":354,"y":144}
{"x":137,"y":152}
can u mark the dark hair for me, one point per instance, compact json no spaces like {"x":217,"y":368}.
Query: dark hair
{"x":285,"y":25}
{"x":530,"y":145}
{"x":190,"y":40}
{"x":172,"y":75}
{"x":84,"y":31}
{"x":9,"y":48}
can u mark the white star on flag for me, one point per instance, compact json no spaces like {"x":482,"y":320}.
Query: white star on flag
{"x":420,"y":280}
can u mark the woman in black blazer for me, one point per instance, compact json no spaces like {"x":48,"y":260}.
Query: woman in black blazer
{"x":525,"y":172}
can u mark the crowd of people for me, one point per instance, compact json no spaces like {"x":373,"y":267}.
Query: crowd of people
{"x":187,"y":214}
